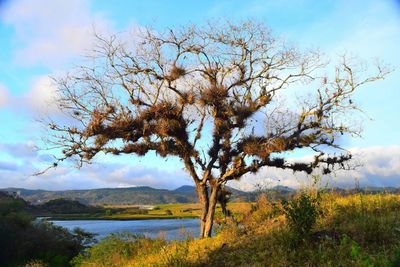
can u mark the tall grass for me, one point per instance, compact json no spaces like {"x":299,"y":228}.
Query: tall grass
{"x":356,"y":230}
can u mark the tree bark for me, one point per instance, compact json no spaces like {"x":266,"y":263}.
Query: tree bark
{"x":202,"y":194}
{"x":211,"y":211}
{"x":208,"y":201}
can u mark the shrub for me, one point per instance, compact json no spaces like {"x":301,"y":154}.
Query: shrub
{"x":301,"y":213}
{"x":168,"y":212}
{"x":262,"y":210}
{"x":108,"y":212}
{"x":117,"y":249}
{"x":23,"y":241}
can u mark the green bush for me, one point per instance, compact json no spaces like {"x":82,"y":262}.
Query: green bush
{"x":301,"y":214}
{"x":24,"y":241}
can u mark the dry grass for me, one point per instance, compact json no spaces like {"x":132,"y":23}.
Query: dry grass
{"x":357,"y":230}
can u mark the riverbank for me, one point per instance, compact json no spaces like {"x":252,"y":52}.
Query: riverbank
{"x":75,"y":217}
{"x":133,"y":212}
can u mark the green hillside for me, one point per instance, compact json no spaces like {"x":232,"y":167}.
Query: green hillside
{"x":142,"y":195}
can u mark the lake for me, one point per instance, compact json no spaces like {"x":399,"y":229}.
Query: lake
{"x":169,"y":228}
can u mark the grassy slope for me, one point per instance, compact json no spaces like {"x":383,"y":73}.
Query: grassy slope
{"x":361,"y":230}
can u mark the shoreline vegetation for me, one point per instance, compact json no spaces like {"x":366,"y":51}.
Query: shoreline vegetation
{"x":104,"y":218}
{"x":134,"y":212}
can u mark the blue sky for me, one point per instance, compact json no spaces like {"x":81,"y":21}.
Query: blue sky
{"x":39,"y":38}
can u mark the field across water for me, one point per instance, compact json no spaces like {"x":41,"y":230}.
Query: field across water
{"x":148,"y":212}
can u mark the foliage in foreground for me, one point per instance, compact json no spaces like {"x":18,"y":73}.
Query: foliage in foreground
{"x":357,"y":230}
{"x":36,"y":243}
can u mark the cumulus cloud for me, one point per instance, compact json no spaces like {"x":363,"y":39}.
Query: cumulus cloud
{"x":378,"y":166}
{"x":42,"y":95}
{"x":39,"y":100}
{"x":92,"y":176}
{"x":22,"y":160}
{"x":49,"y":33}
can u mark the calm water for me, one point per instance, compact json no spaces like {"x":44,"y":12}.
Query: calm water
{"x":171,"y":229}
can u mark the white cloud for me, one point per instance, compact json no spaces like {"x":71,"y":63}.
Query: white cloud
{"x":19,"y":161}
{"x":379,"y":166}
{"x":39,"y":100}
{"x":42,"y":95}
{"x":50,"y":33}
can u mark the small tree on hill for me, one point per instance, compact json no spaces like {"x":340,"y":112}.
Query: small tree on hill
{"x":207,"y":95}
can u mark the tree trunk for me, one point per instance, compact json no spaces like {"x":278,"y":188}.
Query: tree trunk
{"x":208,"y":203}
{"x":202,"y":194}
{"x":211,"y":211}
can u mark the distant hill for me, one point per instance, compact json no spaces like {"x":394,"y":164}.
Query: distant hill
{"x":10,"y":203}
{"x":185,"y":189}
{"x":131,"y":195}
{"x":66,"y":206}
{"x":144,"y":195}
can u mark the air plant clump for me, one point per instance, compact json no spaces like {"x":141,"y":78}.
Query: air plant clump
{"x":242,"y":113}
{"x":168,"y":147}
{"x":187,"y":98}
{"x":297,"y":167}
{"x":221,"y":126}
{"x":263,"y":147}
{"x":168,"y":127}
{"x":278,"y":162}
{"x":326,"y":171}
{"x":277,"y":144}
{"x":101,"y":140}
{"x":175,"y":73}
{"x":139,"y":149}
{"x":264,"y":100}
{"x":163,"y":109}
{"x":96,"y":123}
{"x":254,"y":146}
{"x":214,"y":94}
{"x":306,"y":140}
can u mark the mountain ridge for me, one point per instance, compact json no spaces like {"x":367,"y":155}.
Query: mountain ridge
{"x":124,"y":195}
{"x":146,"y":195}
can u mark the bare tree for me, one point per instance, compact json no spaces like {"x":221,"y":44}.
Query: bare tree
{"x":198,"y":93}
